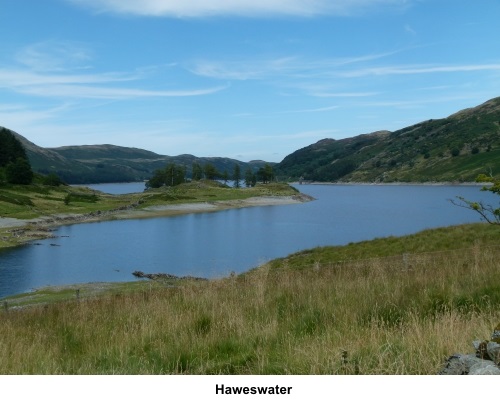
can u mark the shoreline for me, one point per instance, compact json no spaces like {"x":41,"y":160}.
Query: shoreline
{"x":25,"y":230}
{"x":425,"y":184}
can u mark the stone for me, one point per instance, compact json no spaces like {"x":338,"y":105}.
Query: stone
{"x":493,"y":350}
{"x":485,"y":361}
{"x":468,"y":364}
{"x":460,"y":364}
{"x":484,"y":369}
{"x":495,"y":337}
{"x":481,"y":350}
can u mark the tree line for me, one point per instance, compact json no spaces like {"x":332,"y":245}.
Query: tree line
{"x":14,"y":164}
{"x":15,"y":167}
{"x":173,"y":174}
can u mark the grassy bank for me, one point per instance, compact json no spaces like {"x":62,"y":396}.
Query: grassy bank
{"x":389,"y":306}
{"x":77,"y":204}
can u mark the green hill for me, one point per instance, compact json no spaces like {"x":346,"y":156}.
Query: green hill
{"x":456,"y":148}
{"x":110,"y":163}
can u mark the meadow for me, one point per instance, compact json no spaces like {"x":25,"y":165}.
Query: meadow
{"x":387,"y":306}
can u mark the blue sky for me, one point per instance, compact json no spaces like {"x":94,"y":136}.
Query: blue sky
{"x":246,"y":79}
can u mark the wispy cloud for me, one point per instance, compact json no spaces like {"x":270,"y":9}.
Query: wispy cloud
{"x":293,"y":66}
{"x":312,"y":110}
{"x":99,"y":85}
{"x":245,"y":69}
{"x":54,"y":69}
{"x":417,"y":69}
{"x":250,"y":8}
{"x":54,"y":55}
{"x":110,"y":93}
{"x":410,"y":30}
{"x":329,"y":94}
{"x":20,"y":116}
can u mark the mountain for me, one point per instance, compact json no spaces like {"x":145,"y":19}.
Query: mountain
{"x":457,"y":148}
{"x":110,"y":163}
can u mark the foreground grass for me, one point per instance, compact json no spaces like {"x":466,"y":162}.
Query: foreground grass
{"x":399,"y":314}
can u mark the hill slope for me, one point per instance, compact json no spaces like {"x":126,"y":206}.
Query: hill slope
{"x":110,"y":163}
{"x":456,"y":148}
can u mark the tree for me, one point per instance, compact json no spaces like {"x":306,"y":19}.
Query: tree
{"x":210,"y":171}
{"x":250,"y":178}
{"x":487,"y":212}
{"x":237,"y":175}
{"x":265,"y":173}
{"x":197,"y":171}
{"x":174,"y":174}
{"x":171,"y":175}
{"x":10,"y":148}
{"x":19,"y":172}
{"x":52,"y":179}
{"x":225,"y":176}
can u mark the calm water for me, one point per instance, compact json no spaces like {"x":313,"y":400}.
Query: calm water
{"x":117,"y":188}
{"x":214,"y":244}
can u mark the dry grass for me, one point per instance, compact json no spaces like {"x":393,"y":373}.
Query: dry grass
{"x":396,"y":315}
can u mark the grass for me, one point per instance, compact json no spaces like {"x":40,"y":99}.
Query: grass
{"x":366,"y":309}
{"x":209,"y":191}
{"x":29,"y":202}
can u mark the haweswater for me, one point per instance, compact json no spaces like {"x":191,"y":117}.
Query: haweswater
{"x":214,"y":244}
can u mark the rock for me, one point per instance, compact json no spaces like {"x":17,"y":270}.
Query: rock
{"x":495,"y":337}
{"x":481,"y":350}
{"x":455,"y":365}
{"x":468,"y":364}
{"x":493,"y":350}
{"x":485,"y":361}
{"x":484,"y":369}
{"x":156,"y":276}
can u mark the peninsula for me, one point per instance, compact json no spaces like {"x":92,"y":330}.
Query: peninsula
{"x":30,"y":212}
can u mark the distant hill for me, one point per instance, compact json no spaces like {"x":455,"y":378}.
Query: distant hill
{"x":110,"y":163}
{"x":456,"y":148}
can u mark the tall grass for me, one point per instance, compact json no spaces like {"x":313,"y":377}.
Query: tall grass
{"x":402,"y":314}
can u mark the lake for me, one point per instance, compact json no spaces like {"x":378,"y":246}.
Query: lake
{"x":214,"y":244}
{"x":117,"y":188}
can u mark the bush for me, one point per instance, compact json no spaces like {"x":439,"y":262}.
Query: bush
{"x":52,"y":180}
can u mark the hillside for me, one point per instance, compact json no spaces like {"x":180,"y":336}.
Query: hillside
{"x":110,"y":163}
{"x":456,"y":148}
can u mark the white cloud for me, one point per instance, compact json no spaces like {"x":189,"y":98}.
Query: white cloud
{"x":111,"y":93}
{"x":292,"y":66}
{"x":204,"y":8}
{"x":410,"y":30}
{"x":20,"y":117}
{"x":53,"y":69}
{"x":328,"y":94}
{"x":54,"y":56}
{"x":412,"y":70}
{"x":96,"y":86}
{"x":244,"y":69}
